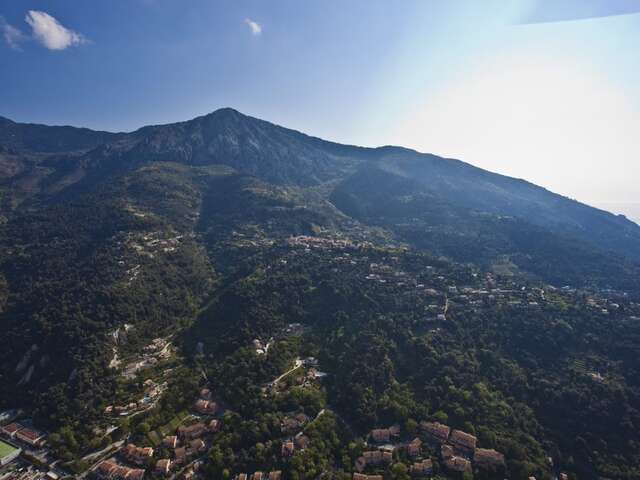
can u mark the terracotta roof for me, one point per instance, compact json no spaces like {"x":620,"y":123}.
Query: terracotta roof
{"x":134,"y":474}
{"x":170,"y":441}
{"x":484,"y":457}
{"x":192,"y":431}
{"x":197,"y":444}
{"x":436,"y":430}
{"x":105,"y":468}
{"x":30,"y":434}
{"x":446,"y":451}
{"x":288,"y":448}
{"x":463,"y":439}
{"x":275,"y":475}
{"x":12,"y":428}
{"x":419,"y":468}
{"x":163,"y":465}
{"x":380,"y":434}
{"x":458,"y":464}
{"x":302,"y":441}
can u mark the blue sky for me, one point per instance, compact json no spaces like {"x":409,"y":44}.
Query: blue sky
{"x":505,"y":85}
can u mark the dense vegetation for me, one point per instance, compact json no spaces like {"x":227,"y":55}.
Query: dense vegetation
{"x":183,"y":232}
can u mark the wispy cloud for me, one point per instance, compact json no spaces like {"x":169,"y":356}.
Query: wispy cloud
{"x":12,"y":35}
{"x":51,"y":33}
{"x":255,"y":27}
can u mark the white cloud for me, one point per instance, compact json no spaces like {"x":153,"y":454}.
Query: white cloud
{"x":255,"y":27}
{"x":11,"y":34}
{"x":51,"y":33}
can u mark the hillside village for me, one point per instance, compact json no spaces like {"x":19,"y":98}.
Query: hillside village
{"x":434,"y":296}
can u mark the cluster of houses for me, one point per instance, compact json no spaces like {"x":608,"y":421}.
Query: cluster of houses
{"x":290,"y":446}
{"x":383,"y":455}
{"x":362,"y":476}
{"x":28,"y":435}
{"x":112,"y":471}
{"x":274,"y":475}
{"x":187,"y":444}
{"x":458,"y":449}
{"x":384,"y":435}
{"x":205,"y":405}
{"x":153,"y":392}
{"x":159,"y":349}
{"x":140,"y":456}
{"x":183,"y":447}
{"x":308,"y":242}
{"x":151,"y":244}
{"x":292,"y":425}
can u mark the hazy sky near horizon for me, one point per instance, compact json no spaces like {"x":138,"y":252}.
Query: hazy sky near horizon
{"x":544,"y":90}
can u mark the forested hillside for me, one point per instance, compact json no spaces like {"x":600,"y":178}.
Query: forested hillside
{"x":355,"y":288}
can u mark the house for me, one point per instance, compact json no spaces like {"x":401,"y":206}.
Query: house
{"x":290,"y":425}
{"x":414,"y":448}
{"x":361,"y":464}
{"x":302,"y":441}
{"x":380,"y":435}
{"x":197,"y":445}
{"x":105,"y":469}
{"x":28,"y":435}
{"x":360,"y":476}
{"x":288,"y":449}
{"x":134,"y":474}
{"x":484,"y":458}
{"x":463,"y":441}
{"x":206,"y":394}
{"x":435,"y":431}
{"x":162,"y":467}
{"x":457,"y":464}
{"x":188,"y":474}
{"x":205,"y":407}
{"x":180,"y":455}
{"x":275,"y":475}
{"x":374,"y":457}
{"x":192,"y":431}
{"x":112,"y":471}
{"x":241,"y":476}
{"x":214,"y":425}
{"x":564,"y":476}
{"x":422,"y":468}
{"x":446,"y":452}
{"x":257,"y":476}
{"x":11,"y":429}
{"x":137,"y":455}
{"x":170,"y":441}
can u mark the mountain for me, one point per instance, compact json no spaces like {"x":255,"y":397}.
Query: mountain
{"x":443,"y":205}
{"x":428,"y":288}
